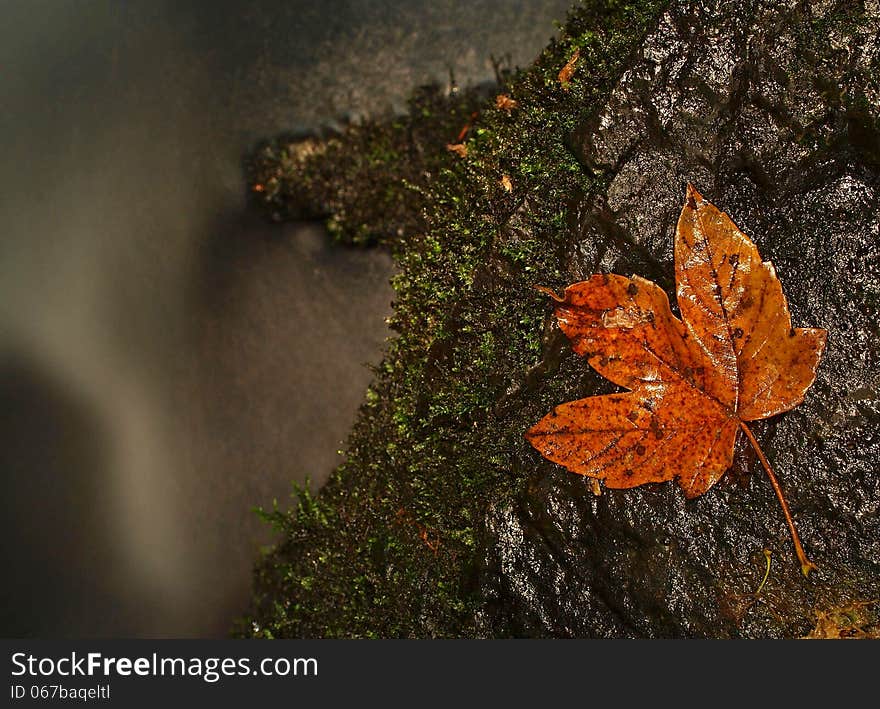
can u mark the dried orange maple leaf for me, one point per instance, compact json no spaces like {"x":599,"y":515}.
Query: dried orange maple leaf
{"x":693,"y":383}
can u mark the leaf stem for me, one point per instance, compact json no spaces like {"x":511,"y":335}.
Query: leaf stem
{"x":806,"y":564}
{"x":549,"y":292}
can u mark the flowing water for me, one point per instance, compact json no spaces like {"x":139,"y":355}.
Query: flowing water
{"x":167,"y":360}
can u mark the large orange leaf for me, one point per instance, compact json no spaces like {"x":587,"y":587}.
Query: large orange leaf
{"x":693,"y":383}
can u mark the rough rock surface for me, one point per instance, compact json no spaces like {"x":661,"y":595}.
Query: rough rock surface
{"x":772,"y":110}
{"x":443,"y":520}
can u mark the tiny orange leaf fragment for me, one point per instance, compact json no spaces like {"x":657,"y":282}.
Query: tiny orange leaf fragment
{"x":459,"y":149}
{"x":503,"y":102}
{"x":692,"y":384}
{"x":568,"y":70}
{"x":506,"y":183}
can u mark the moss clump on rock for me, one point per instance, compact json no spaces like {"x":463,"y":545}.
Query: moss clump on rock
{"x":391,"y":545}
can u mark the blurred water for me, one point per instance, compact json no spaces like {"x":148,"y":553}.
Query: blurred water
{"x":168,"y":361}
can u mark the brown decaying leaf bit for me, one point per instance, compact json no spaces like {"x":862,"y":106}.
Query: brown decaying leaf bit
{"x":503,"y":102}
{"x":459,"y":149}
{"x":693,"y":383}
{"x":568,"y":70}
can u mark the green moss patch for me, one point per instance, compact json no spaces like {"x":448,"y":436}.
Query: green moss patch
{"x":390,"y":546}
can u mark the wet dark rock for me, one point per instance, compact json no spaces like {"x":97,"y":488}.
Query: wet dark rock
{"x":772,"y":110}
{"x":443,"y":521}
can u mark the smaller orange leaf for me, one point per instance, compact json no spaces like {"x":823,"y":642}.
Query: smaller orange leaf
{"x":569,"y":69}
{"x":459,"y":149}
{"x":503,"y":102}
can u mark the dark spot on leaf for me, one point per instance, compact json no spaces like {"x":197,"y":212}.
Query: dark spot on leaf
{"x":640,"y":449}
{"x":632,"y":289}
{"x":738,"y":333}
